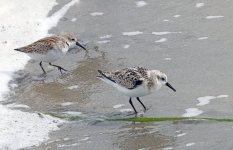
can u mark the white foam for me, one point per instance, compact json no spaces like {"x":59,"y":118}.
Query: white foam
{"x":214,"y":17}
{"x":69,"y":145}
{"x":199,"y":5}
{"x":106,"y":36}
{"x":190,"y":144}
{"x":167,"y":148}
{"x":84,"y":139}
{"x":178,"y":131}
{"x":144,"y":148}
{"x":13,"y":85}
{"x":192,"y":112}
{"x":165,"y":20}
{"x":73,"y":87}
{"x":126,"y":110}
{"x":53,"y":20}
{"x":21,"y":26}
{"x":58,"y":140}
{"x":182,"y":134}
{"x":118,"y":106}
{"x":176,"y":16}
{"x":167,"y":59}
{"x":17,"y":106}
{"x":66,"y":139}
{"x":96,"y":14}
{"x":163,"y":33}
{"x":132,"y":33}
{"x":161,"y":40}
{"x":73,"y":19}
{"x":140,"y":3}
{"x":126,"y":46}
{"x":206,"y":99}
{"x":222,"y":96}
{"x":103,"y":42}
{"x":203,"y":38}
{"x":75,"y":113}
{"x":21,"y":129}
{"x":67,"y":103}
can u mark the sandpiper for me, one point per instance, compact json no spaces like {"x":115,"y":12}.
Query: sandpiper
{"x":51,"y":48}
{"x":135,"y":82}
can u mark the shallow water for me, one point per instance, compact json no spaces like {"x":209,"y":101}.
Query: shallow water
{"x":196,"y":68}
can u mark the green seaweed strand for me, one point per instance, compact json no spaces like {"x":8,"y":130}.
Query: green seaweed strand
{"x":159,"y":119}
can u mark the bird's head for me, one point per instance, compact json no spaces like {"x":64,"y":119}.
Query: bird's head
{"x":161,"y":78}
{"x":72,"y":41}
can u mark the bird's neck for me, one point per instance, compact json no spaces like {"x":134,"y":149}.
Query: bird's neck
{"x":152,"y":82}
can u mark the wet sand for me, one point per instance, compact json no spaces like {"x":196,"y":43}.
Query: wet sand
{"x":195,"y":66}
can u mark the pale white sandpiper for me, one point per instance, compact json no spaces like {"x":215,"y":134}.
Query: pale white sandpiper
{"x":135,"y":82}
{"x":51,"y":48}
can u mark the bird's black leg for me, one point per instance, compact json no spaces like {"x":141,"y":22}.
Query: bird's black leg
{"x":58,"y":67}
{"x":141,"y":104}
{"x":130,"y":101}
{"x":42,"y":67}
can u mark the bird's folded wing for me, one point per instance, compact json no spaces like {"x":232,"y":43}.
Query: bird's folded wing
{"x":38,"y":47}
{"x":129,"y":79}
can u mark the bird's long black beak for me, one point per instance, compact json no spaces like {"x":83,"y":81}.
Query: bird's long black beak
{"x":169,"y":85}
{"x":78,"y":44}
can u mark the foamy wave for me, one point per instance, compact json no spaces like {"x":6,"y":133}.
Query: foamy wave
{"x":21,"y":26}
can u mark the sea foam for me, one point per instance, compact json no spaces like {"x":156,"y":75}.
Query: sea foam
{"x":21,"y":26}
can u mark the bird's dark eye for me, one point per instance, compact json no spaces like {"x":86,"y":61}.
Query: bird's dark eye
{"x":163,"y":79}
{"x":73,"y":39}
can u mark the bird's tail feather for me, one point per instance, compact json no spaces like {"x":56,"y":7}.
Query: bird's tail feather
{"x":104,"y":76}
{"x":18,"y":49}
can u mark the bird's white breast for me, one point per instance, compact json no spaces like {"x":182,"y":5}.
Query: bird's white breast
{"x":50,"y":56}
{"x":158,"y":85}
{"x":139,"y":91}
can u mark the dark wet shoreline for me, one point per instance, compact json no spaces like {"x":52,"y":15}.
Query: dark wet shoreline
{"x":196,"y":68}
